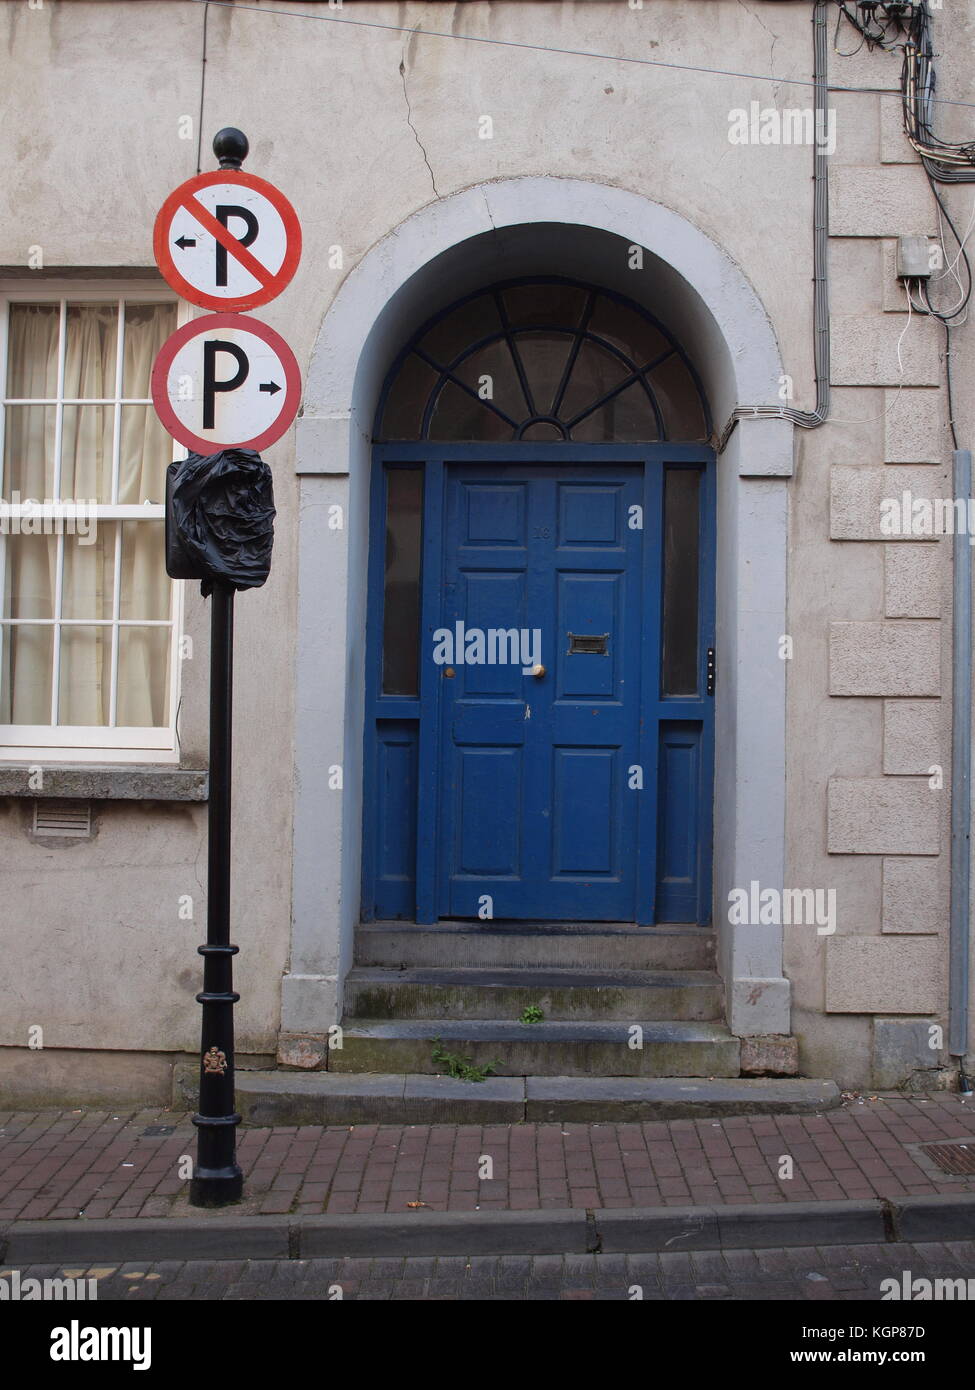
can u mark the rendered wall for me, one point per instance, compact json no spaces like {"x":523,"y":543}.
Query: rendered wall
{"x":362,"y":127}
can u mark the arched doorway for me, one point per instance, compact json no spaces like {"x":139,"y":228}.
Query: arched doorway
{"x":539,"y":721}
{"x":440,"y":252}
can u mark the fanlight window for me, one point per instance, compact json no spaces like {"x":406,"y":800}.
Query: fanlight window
{"x":543,"y":360}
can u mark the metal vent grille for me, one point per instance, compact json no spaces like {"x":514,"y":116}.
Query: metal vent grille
{"x":952,"y":1158}
{"x":63,"y":818}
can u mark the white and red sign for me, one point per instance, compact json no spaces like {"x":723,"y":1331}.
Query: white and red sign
{"x":227,"y":240}
{"x":226,"y":381}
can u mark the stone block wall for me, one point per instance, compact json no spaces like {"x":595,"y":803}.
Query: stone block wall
{"x":871,"y":997}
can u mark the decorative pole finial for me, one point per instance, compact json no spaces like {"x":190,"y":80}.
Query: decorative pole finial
{"x":230,"y":145}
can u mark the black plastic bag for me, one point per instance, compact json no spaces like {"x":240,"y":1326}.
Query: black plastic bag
{"x":220,"y":519}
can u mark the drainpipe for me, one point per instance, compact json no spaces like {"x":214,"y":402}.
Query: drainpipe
{"x":961,"y":768}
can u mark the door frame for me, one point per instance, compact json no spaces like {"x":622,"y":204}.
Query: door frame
{"x":436,"y":457}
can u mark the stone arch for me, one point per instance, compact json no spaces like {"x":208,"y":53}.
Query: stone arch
{"x":438,"y":253}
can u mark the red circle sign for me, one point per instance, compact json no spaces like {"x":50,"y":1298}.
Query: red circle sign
{"x":216,"y":384}
{"x":227,"y":240}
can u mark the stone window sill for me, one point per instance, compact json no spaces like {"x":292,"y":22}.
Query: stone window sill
{"x":123,"y":782}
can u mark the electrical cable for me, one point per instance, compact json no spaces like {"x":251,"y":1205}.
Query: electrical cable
{"x":913,"y":308}
{"x":945,"y":161}
{"x":561,"y":52}
{"x":950,"y":268}
{"x":840,"y":12}
{"x":203,"y":83}
{"x":961,"y":306}
{"x":905,"y":329}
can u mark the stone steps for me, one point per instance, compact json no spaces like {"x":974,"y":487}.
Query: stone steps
{"x":467,"y":985}
{"x":550,"y":1048}
{"x":553,"y":946}
{"x":334,"y":1098}
{"x":503,"y":993}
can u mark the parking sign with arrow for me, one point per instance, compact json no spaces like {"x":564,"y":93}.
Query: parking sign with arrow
{"x":227,"y":240}
{"x":226,"y":381}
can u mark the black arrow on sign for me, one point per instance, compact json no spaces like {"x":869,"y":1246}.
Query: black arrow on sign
{"x":185,"y":241}
{"x":269,"y":386}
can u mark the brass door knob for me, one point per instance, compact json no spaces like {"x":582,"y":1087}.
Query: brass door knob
{"x":538,"y":672}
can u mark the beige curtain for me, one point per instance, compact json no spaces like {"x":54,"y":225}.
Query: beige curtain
{"x":88,"y":581}
{"x":32,"y":372}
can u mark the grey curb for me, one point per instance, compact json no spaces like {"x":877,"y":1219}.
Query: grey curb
{"x":857,"y":1222}
{"x":574,"y":1232}
{"x":640,"y":1232}
{"x":221,"y":1238}
{"x":447,"y":1233}
{"x":935,"y":1218}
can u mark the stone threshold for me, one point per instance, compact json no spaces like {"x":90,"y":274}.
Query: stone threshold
{"x":356,"y":1098}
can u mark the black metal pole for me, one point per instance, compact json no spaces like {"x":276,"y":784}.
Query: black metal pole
{"x":217,"y":1178}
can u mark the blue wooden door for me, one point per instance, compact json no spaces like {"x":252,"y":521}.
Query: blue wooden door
{"x":538,"y":653}
{"x":494,"y":788}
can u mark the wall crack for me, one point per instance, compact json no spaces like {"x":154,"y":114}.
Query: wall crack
{"x":416,"y":137}
{"x":773,"y":36}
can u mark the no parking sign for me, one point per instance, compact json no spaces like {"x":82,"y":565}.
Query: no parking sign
{"x":227,"y":240}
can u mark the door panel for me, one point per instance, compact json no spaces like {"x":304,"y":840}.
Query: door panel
{"x":489,"y":784}
{"x":585,"y":791}
{"x":589,"y":606}
{"x":679,"y":844}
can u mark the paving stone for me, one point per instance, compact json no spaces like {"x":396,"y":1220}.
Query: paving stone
{"x":860,"y":1146}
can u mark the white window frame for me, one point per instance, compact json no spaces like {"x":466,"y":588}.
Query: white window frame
{"x":73,"y":743}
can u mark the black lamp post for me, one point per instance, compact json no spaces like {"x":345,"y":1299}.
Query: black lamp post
{"x":217,"y":1177}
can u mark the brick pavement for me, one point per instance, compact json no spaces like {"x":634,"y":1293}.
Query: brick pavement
{"x":96,"y":1164}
